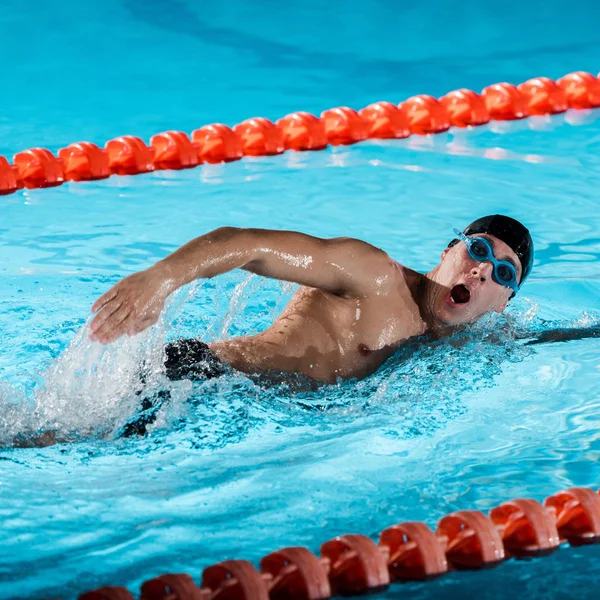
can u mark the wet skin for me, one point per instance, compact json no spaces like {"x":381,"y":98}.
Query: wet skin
{"x":355,"y":306}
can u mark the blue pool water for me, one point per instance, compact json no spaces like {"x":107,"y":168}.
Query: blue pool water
{"x":233,"y":469}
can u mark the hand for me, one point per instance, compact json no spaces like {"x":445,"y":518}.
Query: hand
{"x":131,"y":305}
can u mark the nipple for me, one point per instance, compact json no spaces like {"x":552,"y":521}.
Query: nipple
{"x":363,"y":349}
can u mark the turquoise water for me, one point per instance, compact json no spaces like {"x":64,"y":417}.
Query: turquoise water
{"x":232,"y":469}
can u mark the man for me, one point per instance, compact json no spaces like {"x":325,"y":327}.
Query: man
{"x":354,"y":308}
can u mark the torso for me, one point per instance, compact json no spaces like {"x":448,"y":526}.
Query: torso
{"x":326,"y":336}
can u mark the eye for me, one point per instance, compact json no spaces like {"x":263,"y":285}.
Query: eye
{"x":504,"y":273}
{"x":479,"y":249}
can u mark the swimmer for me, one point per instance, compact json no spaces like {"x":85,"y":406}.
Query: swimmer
{"x":355,"y":306}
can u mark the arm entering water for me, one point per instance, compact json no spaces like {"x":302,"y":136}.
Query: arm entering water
{"x":343,"y":266}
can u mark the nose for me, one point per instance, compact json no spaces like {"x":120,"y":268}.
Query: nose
{"x":482,"y":271}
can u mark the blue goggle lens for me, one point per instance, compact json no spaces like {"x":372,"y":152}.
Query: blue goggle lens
{"x":480,"y":249}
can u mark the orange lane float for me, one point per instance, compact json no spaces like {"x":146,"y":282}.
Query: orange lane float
{"x":505,"y":102}
{"x":357,"y":565}
{"x":582,"y":89}
{"x":425,"y":114}
{"x":344,"y":126}
{"x":415,"y":553}
{"x":354,"y":565}
{"x":173,"y":150}
{"x":217,"y":143}
{"x":128,"y":155}
{"x":296,"y":574}
{"x":180,"y":586}
{"x":577,"y":515}
{"x":472,"y":540}
{"x":108,"y":593}
{"x":527,"y":528}
{"x":84,"y":161}
{"x":235,"y":580}
{"x":227,"y":580}
{"x":38,"y":168}
{"x":543,"y":96}
{"x":302,"y":131}
{"x":9,"y":177}
{"x":385,"y":120}
{"x":260,"y":137}
{"x":465,"y":108}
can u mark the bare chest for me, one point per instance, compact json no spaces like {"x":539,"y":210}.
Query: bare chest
{"x":344,"y":337}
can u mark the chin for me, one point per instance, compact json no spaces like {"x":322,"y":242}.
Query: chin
{"x":454,"y":318}
{"x":449,"y":320}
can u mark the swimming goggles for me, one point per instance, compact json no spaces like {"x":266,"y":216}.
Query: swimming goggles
{"x":504,"y":273}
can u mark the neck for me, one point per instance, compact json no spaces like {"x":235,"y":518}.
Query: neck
{"x":424,"y":291}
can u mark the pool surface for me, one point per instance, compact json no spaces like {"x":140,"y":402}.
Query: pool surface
{"x":233,"y":469}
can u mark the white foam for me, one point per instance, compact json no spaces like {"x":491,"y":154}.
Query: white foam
{"x":90,"y":389}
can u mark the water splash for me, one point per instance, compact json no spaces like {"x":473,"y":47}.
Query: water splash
{"x":90,"y":390}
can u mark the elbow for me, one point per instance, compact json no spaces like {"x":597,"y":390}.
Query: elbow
{"x":233,"y":247}
{"x":226,"y":238}
{"x":223,"y":233}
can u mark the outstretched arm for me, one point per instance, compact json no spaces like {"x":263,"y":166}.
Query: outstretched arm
{"x":342,"y":266}
{"x":563,"y":334}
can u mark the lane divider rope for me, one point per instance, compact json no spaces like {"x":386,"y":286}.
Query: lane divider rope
{"x":354,"y":564}
{"x":216,"y":143}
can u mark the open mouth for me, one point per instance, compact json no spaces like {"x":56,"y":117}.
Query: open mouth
{"x":460,"y":294}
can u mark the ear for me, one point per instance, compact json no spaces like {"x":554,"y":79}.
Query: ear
{"x":446,"y":250}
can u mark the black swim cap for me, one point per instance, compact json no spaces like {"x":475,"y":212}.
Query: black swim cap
{"x":512,"y":233}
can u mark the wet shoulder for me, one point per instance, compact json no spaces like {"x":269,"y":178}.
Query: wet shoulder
{"x":391,"y":277}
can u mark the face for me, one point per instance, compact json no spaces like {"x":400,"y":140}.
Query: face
{"x":466,"y":289}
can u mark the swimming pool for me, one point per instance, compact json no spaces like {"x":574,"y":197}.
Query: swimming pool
{"x":242,"y":471}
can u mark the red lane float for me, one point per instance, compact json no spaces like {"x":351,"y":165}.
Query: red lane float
{"x":543,"y":96}
{"x":296,"y":574}
{"x":260,"y":137}
{"x":9,"y":178}
{"x":178,"y":586}
{"x":343,"y":126}
{"x":357,"y":565}
{"x":217,"y":143}
{"x":84,"y":161}
{"x":354,"y":564}
{"x":235,"y":580}
{"x":465,"y":108}
{"x":582,"y":89}
{"x":414,"y":552}
{"x":39,"y":168}
{"x":128,"y":155}
{"x":425,"y":114}
{"x":504,"y":101}
{"x":173,"y":150}
{"x":473,"y":542}
{"x":108,"y":593}
{"x":302,"y":131}
{"x":385,"y":120}
{"x":527,"y":528}
{"x":577,"y":514}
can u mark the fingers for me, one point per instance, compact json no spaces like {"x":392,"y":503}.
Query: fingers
{"x":113,"y":326}
{"x":107,"y":297}
{"x":123,"y":321}
{"x":104,"y":315}
{"x":130,"y":306}
{"x":129,"y":325}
